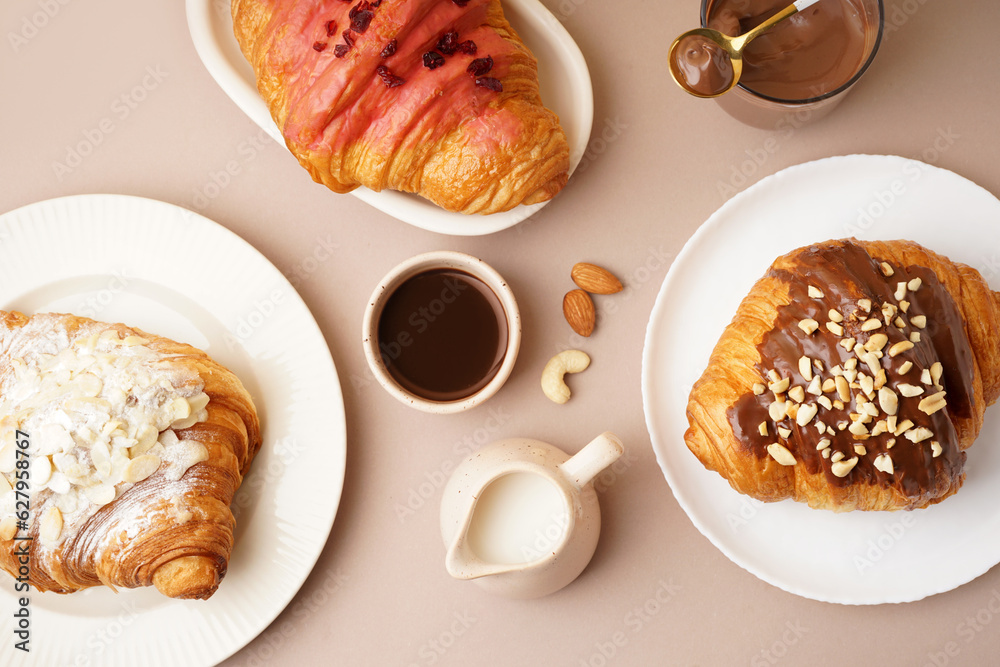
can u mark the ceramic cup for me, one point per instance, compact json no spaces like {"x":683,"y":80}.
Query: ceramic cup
{"x":442,"y":259}
{"x":758,"y":110}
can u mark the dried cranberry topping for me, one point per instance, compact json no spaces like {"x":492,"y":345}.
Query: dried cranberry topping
{"x":348,"y":37}
{"x":490,"y":83}
{"x":389,"y":49}
{"x":468,"y":47}
{"x":341,"y":50}
{"x":433,"y":60}
{"x":362,"y":20}
{"x":319,"y":46}
{"x":331,"y":27}
{"x":388,"y":78}
{"x":448,"y":43}
{"x":480,"y":66}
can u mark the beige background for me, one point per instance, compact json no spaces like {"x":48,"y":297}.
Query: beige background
{"x":655,"y":587}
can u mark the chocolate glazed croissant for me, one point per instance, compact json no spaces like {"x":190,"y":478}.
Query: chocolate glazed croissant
{"x":853,"y":376}
{"x":435,"y":97}
{"x":124,"y":449}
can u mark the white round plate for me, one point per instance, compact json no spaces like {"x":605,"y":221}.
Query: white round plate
{"x":563,"y":78}
{"x":850,"y":558}
{"x":170,"y":271}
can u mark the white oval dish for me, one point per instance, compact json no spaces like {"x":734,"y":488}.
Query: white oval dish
{"x":855,"y":557}
{"x":562,"y":73}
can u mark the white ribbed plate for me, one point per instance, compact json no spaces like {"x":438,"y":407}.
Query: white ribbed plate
{"x":172,"y":272}
{"x":563,"y":77}
{"x":855,"y":557}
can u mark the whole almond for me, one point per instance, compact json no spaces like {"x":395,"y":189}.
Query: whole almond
{"x":579,"y":311}
{"x":595,"y":279}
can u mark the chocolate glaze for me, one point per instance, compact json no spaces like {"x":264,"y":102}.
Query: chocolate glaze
{"x":443,"y":334}
{"x":846,"y":273}
{"x":704,"y":65}
{"x":807,"y":55}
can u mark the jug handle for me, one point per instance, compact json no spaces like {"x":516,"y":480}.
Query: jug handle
{"x":597,"y":455}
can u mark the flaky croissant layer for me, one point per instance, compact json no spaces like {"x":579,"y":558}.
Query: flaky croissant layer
{"x":120,"y":453}
{"x":435,"y":97}
{"x":854,"y":375}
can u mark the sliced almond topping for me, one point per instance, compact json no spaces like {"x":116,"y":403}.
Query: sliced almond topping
{"x":779,"y":387}
{"x":905,"y":368}
{"x":843,"y":468}
{"x":784,"y":432}
{"x":100,"y":494}
{"x":914,"y":284}
{"x":886,"y":269}
{"x":835,"y":328}
{"x":909,"y":390}
{"x":900,"y":347}
{"x":888,"y":400}
{"x":140,"y":468}
{"x":900,"y":291}
{"x":837,"y":456}
{"x":841,"y":425}
{"x":835,"y":315}
{"x":871,"y":410}
{"x":806,"y":413}
{"x":815,"y":292}
{"x":879,"y":428}
{"x":883,"y":462}
{"x":805,"y":368}
{"x":843,"y":389}
{"x":808,"y":325}
{"x":935,"y":449}
{"x":919,"y":434}
{"x":51,"y":525}
{"x":903,"y":427}
{"x":758,"y":388}
{"x":797,"y":393}
{"x":41,"y":470}
{"x":871,"y":324}
{"x":815,"y":386}
{"x":780,"y":454}
{"x":8,"y":528}
{"x":933,"y":403}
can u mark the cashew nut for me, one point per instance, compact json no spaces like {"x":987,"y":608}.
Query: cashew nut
{"x":569,"y":361}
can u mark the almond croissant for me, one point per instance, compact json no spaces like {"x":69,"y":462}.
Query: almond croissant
{"x":853,"y":376}
{"x":435,"y":97}
{"x":120,"y":452}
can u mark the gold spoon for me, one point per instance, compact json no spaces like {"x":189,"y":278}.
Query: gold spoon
{"x":706,"y":63}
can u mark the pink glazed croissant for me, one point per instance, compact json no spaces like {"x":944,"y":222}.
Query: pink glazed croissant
{"x":435,"y":97}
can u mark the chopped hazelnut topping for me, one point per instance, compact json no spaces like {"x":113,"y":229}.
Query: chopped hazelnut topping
{"x":860,"y":450}
{"x":919,"y":434}
{"x":808,"y":325}
{"x":905,"y":368}
{"x":936,"y":371}
{"x":865,"y":305}
{"x":931,"y":404}
{"x":847,"y":344}
{"x":915,"y":337}
{"x":829,"y":385}
{"x":762,"y":429}
{"x":903,"y":427}
{"x":876,"y":342}
{"x":843,"y":389}
{"x":900,"y":323}
{"x":890,"y":443}
{"x":880,"y":379}
{"x":871,"y":324}
{"x":835,"y":315}
{"x":886,"y":269}
{"x":888,"y":400}
{"x":780,"y":386}
{"x":823,"y":444}
{"x":826,"y":453}
{"x":778,"y":410}
{"x":825,"y":402}
{"x":773,"y":375}
{"x":919,"y":321}
{"x":914,"y":284}
{"x":935,"y":449}
{"x":858,"y":428}
{"x":904,"y":305}
{"x":851,"y":364}
{"x":900,"y":347}
{"x":805,"y":368}
{"x":835,"y":328}
{"x":925,"y":376}
{"x":837,"y":456}
{"x":797,"y":393}
{"x":900,"y":291}
{"x":758,"y":389}
{"x":815,"y":387}
{"x":841,"y":425}
{"x":884,"y":463}
{"x":805,"y":414}
{"x":815,"y":292}
{"x":780,"y":454}
{"x":784,"y":432}
{"x":843,"y":468}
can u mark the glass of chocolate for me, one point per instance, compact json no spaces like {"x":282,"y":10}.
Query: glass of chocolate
{"x":800,"y":69}
{"x":441,"y":332}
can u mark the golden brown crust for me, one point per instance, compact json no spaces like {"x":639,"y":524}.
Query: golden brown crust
{"x":185,"y":543}
{"x":735,"y":367}
{"x":446,"y":165}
